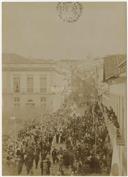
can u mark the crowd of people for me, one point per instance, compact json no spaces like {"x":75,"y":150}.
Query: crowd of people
{"x":77,"y":145}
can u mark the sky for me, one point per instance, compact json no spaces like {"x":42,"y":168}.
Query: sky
{"x":35,"y":30}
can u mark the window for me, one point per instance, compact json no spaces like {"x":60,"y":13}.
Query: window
{"x":43,"y":99}
{"x":30,"y":103}
{"x":16,"y":101}
{"x":30,"y":84}
{"x":16,"y":84}
{"x":43,"y":103}
{"x":43,"y":84}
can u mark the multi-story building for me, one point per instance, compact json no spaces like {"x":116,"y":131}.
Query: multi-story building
{"x":31,"y":87}
{"x":115,"y":96}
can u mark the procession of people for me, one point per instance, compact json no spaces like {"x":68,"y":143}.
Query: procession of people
{"x":65,"y":145}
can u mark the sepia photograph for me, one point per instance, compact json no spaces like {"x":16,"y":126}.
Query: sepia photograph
{"x":64,"y":88}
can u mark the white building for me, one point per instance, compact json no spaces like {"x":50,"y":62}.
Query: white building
{"x":31,"y":88}
{"x":115,"y":77}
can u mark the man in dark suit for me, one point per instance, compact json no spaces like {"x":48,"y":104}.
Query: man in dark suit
{"x":20,"y":156}
{"x":54,"y":155}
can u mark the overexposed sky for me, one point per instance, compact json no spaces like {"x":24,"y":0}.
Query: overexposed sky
{"x":35,"y":30}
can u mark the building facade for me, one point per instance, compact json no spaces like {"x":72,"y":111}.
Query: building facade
{"x":115,"y":76}
{"x":31,"y":88}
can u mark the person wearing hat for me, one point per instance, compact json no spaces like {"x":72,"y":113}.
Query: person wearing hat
{"x":54,"y":155}
{"x":29,"y":159}
{"x":45,"y":165}
{"x":20,"y":158}
{"x":48,"y":166}
{"x":42,"y":166}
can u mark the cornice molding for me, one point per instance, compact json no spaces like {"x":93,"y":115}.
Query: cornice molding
{"x":6,"y":68}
